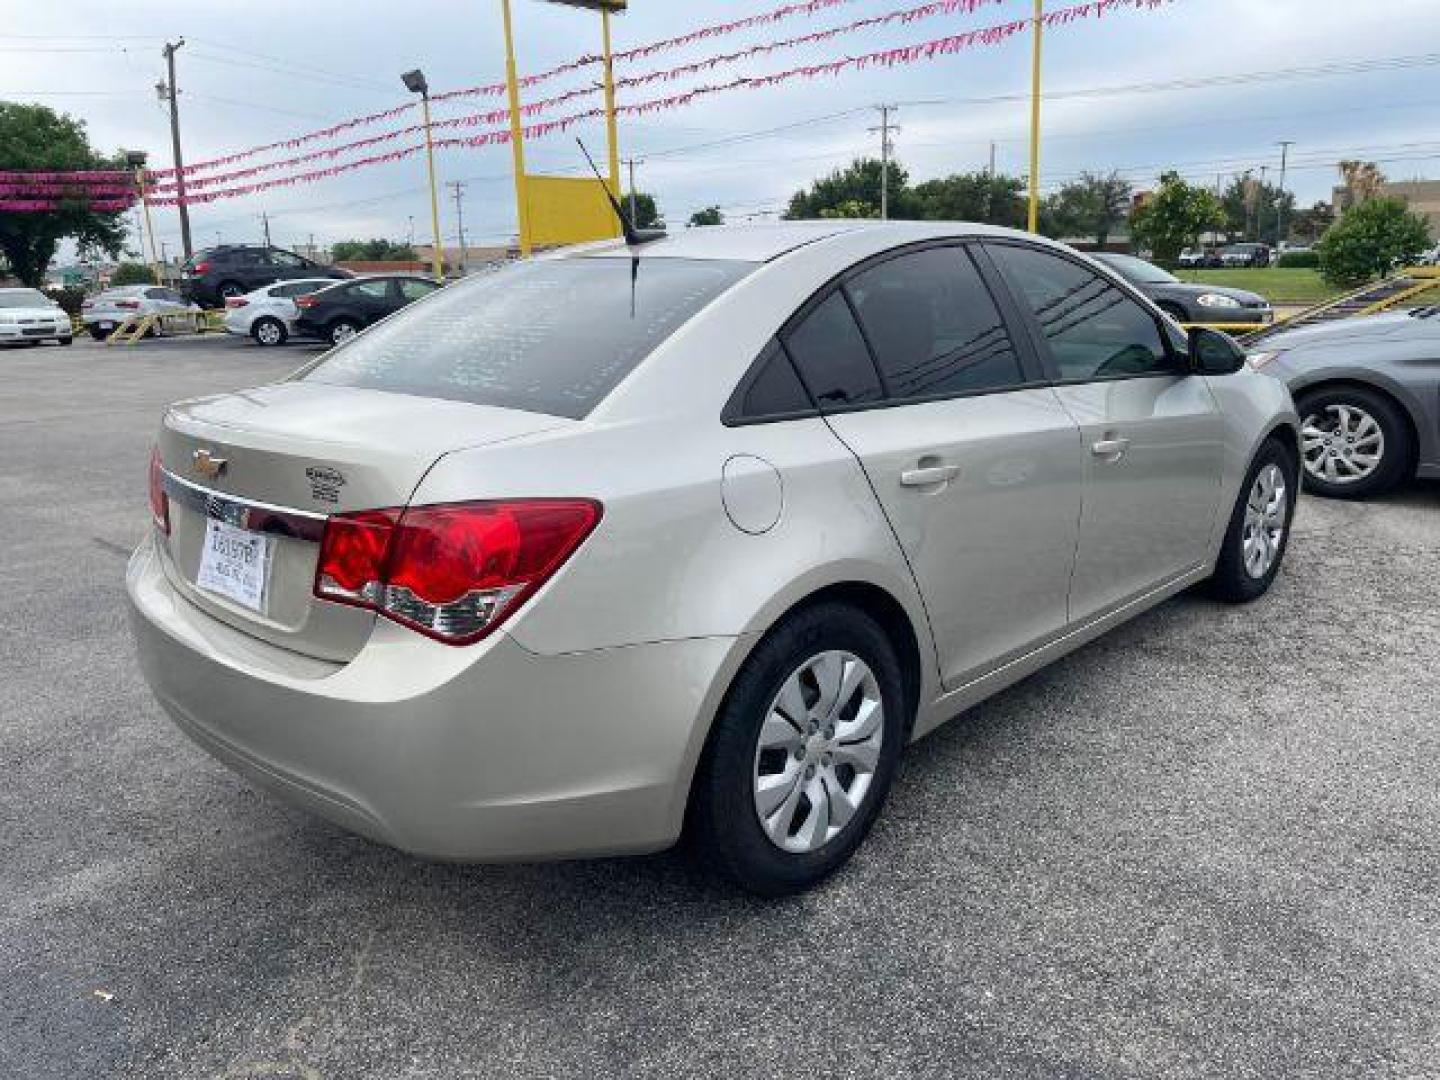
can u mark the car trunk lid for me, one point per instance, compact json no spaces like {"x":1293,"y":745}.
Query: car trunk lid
{"x":275,"y":462}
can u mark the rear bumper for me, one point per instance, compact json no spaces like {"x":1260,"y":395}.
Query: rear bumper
{"x":489,"y":753}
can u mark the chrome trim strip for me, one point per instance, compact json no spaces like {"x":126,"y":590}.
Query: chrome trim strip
{"x":249,"y":514}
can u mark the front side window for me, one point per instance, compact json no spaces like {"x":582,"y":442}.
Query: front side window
{"x":552,"y":336}
{"x":370,"y":290}
{"x":1093,"y":329}
{"x":832,"y":357}
{"x":933,"y":325}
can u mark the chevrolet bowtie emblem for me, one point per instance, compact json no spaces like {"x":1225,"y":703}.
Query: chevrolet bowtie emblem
{"x":207,"y":464}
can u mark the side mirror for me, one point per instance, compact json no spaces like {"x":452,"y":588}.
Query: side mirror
{"x":1214,"y":353}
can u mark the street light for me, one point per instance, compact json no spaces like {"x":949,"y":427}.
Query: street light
{"x":415,"y":82}
{"x":135,"y":160}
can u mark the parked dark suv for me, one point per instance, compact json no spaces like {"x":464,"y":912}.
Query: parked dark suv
{"x":214,"y":275}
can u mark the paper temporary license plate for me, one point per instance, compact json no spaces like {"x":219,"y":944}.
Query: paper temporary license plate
{"x":107,"y":326}
{"x":234,"y":564}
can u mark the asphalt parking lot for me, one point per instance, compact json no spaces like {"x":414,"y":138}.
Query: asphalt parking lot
{"x":1207,"y":845}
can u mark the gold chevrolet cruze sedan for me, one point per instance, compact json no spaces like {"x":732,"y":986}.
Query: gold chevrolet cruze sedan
{"x":692,"y":536}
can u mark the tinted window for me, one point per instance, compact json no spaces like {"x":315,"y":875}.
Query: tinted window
{"x":411,"y":289}
{"x":933,"y":325}
{"x":1137,"y":270}
{"x":294,"y":288}
{"x":157,"y":294}
{"x":774,"y":390}
{"x":369,"y":290}
{"x":284,"y":258}
{"x":1094,"y":330}
{"x":549,"y":336}
{"x":832,"y":356}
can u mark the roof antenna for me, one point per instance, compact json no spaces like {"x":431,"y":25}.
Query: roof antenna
{"x":633,"y":236}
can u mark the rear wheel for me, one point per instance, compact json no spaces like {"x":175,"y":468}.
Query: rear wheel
{"x":803,"y":752}
{"x":67,"y":340}
{"x":1355,"y":442}
{"x":98,"y":334}
{"x":1259,"y":530}
{"x":268,"y":331}
{"x":342,"y":330}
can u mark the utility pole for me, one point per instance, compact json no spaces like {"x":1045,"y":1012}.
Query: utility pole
{"x":458,"y":187}
{"x":168,"y":92}
{"x":630,"y":164}
{"x":1281,"y":227}
{"x":265,"y":220}
{"x":1036,"y":58}
{"x":1261,"y":201}
{"x":887,"y":147}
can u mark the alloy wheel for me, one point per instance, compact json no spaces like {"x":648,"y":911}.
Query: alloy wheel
{"x":1266,"y":510}
{"x":1343,"y":444}
{"x":818,"y":750}
{"x":268,"y":333}
{"x":342,"y":333}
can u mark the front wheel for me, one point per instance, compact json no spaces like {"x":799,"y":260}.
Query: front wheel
{"x":1356,"y":444}
{"x":269,"y":332}
{"x":342,"y":330}
{"x":1259,"y":531}
{"x":803,"y":752}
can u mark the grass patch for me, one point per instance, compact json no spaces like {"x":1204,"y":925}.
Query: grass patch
{"x":1279,"y":286}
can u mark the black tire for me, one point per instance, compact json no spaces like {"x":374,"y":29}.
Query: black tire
{"x":1397,"y":445}
{"x":98,"y":334}
{"x":1233,"y":581}
{"x":67,"y":340}
{"x":226,"y":289}
{"x":269,"y":332}
{"x":342,"y":330}
{"x":725,"y":832}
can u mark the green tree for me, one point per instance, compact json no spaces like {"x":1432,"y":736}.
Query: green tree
{"x":1309,"y":225}
{"x":647,"y":211}
{"x":857,"y":185}
{"x":1094,"y":205}
{"x":132,"y":273}
{"x":371,"y":251}
{"x":35,"y":137}
{"x":1370,"y":240}
{"x":1253,"y":209}
{"x":851,"y":208}
{"x":976,"y":196}
{"x":711,"y":215}
{"x":1174,"y":217}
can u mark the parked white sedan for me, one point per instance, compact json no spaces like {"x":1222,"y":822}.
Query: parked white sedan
{"x":103,"y":313}
{"x":28,"y":317}
{"x":268,"y":314}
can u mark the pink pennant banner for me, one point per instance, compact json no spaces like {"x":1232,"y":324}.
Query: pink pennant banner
{"x":43,"y":177}
{"x":39,"y":206}
{"x":886,"y":58}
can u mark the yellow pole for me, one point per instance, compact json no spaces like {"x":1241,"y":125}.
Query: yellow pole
{"x":437,"y":255}
{"x":610,"y":126}
{"x":517,"y":133}
{"x":149,"y":225}
{"x":1035,"y":119}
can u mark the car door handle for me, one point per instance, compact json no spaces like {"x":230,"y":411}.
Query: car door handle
{"x":1110,"y":448}
{"x":929,"y":476}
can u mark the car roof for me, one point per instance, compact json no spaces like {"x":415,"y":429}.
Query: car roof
{"x":764,"y":242}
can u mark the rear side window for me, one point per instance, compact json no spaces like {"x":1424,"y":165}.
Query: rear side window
{"x":369,"y":290}
{"x":933,"y":325}
{"x":1093,"y":329}
{"x":548,"y":336}
{"x":773,"y":392}
{"x":411,"y":289}
{"x":832,"y":356}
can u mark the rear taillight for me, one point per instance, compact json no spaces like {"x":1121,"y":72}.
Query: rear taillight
{"x":201,"y":268}
{"x":305,"y":301}
{"x":235,"y":301}
{"x":452,"y":572}
{"x":128,"y":305}
{"x":159,"y":501}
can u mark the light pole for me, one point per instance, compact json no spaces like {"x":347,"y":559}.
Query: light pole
{"x":1281,"y":228}
{"x":415,"y":82}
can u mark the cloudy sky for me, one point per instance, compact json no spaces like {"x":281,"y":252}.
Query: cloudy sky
{"x":1205,"y":86}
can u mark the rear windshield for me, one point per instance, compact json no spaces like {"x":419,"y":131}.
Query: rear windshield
{"x":23,"y":298}
{"x":552,"y":336}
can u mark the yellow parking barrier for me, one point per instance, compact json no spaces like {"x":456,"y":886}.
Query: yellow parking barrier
{"x":183,"y":322}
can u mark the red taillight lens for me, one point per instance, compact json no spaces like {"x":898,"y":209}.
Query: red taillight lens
{"x":305,"y":301}
{"x":235,"y":301}
{"x":453,"y":572}
{"x":159,"y":501}
{"x":201,"y":268}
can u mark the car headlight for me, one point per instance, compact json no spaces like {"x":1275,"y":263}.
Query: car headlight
{"x":1259,"y":359}
{"x":1215,"y":300}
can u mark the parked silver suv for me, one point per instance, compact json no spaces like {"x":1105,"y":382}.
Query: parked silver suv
{"x":705,"y":530}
